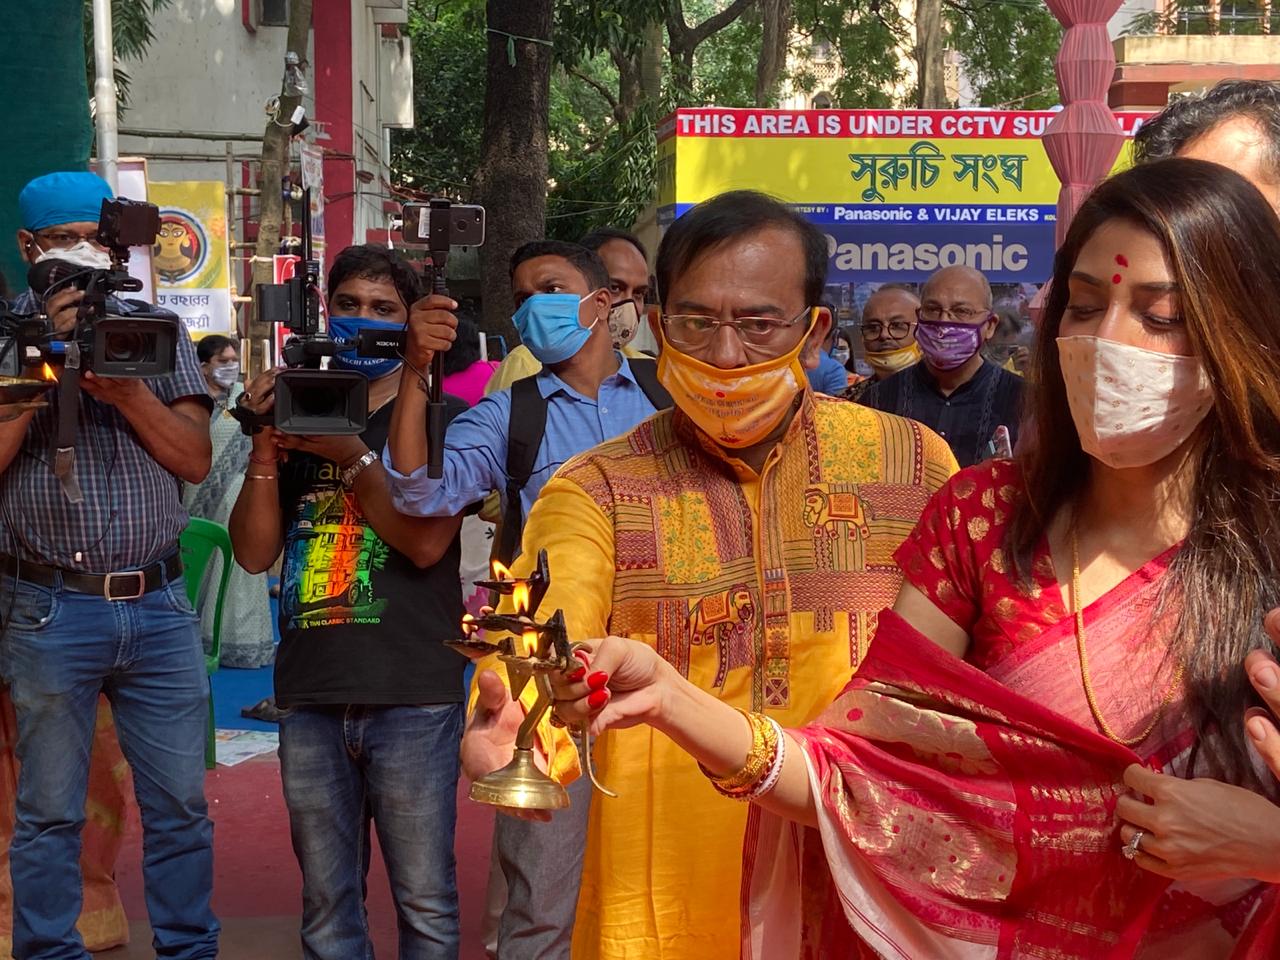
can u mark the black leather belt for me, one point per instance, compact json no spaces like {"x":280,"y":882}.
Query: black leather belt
{"x":122,"y":585}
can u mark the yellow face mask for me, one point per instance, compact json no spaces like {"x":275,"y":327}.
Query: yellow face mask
{"x":738,"y":407}
{"x":894,"y":360}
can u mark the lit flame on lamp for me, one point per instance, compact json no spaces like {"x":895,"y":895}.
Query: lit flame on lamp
{"x":500,"y":572}
{"x":520,"y":596}
{"x":46,"y":371}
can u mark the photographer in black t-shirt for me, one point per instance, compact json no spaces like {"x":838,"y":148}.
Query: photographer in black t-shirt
{"x":371,"y":699}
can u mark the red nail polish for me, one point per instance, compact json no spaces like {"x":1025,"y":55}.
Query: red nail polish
{"x":576,"y":675}
{"x":598,"y":680}
{"x":583,"y":657}
{"x":598,"y":699}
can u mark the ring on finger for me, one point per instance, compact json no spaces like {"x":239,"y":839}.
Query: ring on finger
{"x":1131,"y":849}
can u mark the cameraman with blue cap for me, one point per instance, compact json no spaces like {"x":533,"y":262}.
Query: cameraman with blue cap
{"x":94,"y":602}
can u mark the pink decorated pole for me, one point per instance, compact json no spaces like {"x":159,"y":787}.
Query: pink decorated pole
{"x":1084,"y":139}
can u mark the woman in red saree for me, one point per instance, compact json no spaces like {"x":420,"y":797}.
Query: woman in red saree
{"x":1044,"y":754}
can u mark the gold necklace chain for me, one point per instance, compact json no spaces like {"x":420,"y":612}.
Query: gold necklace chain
{"x":1077,"y":608}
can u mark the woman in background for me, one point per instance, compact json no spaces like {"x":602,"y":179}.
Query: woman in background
{"x":248,"y":639}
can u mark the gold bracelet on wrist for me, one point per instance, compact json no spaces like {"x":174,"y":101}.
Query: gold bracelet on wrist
{"x":764,"y":749}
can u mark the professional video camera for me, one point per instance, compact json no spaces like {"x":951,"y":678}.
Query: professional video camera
{"x":309,"y":400}
{"x":141,"y":343}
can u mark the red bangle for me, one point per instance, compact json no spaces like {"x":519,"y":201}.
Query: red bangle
{"x":263,"y":460}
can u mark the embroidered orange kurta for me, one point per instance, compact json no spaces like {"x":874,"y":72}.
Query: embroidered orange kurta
{"x":760,"y":588}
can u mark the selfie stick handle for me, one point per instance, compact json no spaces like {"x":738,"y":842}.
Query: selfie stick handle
{"x":438,"y":243}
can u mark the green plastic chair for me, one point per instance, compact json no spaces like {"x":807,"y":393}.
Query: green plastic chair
{"x":198,"y":543}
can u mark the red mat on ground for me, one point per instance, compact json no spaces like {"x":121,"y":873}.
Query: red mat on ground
{"x":256,"y":875}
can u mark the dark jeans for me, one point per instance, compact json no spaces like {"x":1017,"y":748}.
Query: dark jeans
{"x":59,"y":650}
{"x":344,"y":767}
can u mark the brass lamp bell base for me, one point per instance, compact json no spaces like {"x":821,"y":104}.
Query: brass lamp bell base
{"x":520,"y":784}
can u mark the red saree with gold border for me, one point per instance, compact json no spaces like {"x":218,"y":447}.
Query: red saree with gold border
{"x":967,"y":807}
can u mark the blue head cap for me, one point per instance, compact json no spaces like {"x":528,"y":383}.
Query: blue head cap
{"x":58,"y":198}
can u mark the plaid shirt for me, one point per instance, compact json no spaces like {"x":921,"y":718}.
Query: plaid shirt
{"x":132,"y":512}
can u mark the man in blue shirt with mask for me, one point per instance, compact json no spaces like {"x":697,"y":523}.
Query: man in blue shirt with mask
{"x":592,"y":393}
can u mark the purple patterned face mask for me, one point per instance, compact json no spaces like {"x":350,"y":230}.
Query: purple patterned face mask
{"x":948,"y":346}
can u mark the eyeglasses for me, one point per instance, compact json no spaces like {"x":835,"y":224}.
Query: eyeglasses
{"x":691,"y":331}
{"x":65,"y":239}
{"x":959,"y":314}
{"x":894,"y":329}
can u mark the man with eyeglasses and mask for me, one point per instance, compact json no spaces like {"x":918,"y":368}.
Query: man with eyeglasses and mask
{"x":970,"y":402}
{"x":748,"y":535}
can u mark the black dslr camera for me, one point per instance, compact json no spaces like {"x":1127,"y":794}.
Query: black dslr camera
{"x":142,"y":343}
{"x":308,"y":400}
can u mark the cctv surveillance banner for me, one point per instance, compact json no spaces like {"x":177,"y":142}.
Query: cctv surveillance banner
{"x":190,"y":255}
{"x":898,"y":193}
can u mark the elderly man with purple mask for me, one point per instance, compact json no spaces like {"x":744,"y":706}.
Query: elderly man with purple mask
{"x":968,"y":401}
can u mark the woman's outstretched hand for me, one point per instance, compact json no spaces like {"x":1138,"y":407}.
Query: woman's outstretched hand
{"x":619,"y":683}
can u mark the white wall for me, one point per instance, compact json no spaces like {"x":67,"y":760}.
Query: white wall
{"x":204,"y":71}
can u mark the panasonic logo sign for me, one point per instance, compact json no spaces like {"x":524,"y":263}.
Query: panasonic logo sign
{"x":990,"y":257}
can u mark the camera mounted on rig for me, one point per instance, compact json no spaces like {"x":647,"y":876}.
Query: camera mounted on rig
{"x":142,"y":342}
{"x":310,"y":400}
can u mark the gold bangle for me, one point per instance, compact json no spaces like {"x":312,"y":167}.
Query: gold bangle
{"x":261,"y":476}
{"x":764,"y":749}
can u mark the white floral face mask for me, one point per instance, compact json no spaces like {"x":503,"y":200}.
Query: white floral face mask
{"x":1132,"y":407}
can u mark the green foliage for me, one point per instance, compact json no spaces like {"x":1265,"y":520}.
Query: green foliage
{"x":610,"y":186}
{"x":725,"y":65}
{"x":602,"y":170}
{"x":131,"y":35}
{"x":440,"y":153}
{"x":585,"y":28}
{"x":1008,"y":51}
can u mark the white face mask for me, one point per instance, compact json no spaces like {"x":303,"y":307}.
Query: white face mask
{"x":1132,"y":407}
{"x":224,"y":375}
{"x":83,"y":254}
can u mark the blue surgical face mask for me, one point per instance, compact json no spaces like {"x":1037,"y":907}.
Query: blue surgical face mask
{"x":548,"y":325}
{"x":348,"y":328}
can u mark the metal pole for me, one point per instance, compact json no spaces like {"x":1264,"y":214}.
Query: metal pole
{"x":104,"y":94}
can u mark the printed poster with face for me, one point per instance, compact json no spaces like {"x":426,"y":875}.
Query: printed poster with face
{"x":190,"y":256}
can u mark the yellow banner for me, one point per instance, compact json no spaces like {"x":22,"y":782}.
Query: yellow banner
{"x":190,"y":255}
{"x":862,"y":171}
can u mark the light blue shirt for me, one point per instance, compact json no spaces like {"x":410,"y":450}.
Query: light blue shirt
{"x":475,"y":445}
{"x":828,"y":376}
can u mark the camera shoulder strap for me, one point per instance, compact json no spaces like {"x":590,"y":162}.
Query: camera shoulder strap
{"x":645,"y":370}
{"x":64,"y":444}
{"x":526,"y":424}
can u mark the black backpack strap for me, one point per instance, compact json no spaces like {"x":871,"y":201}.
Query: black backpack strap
{"x":526,"y":424}
{"x":645,"y":370}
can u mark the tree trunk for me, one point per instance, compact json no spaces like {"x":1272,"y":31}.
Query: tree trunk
{"x":651,"y":63}
{"x":777,"y":17}
{"x":630,"y":92}
{"x":274,"y":165}
{"x":931,"y":85}
{"x":683,"y":41}
{"x":511,"y":181}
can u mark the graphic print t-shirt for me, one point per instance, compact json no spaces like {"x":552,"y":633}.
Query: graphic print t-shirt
{"x":359,"y":623}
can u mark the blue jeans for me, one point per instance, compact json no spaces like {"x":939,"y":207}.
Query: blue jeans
{"x":344,"y":767}
{"x":59,"y":649}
